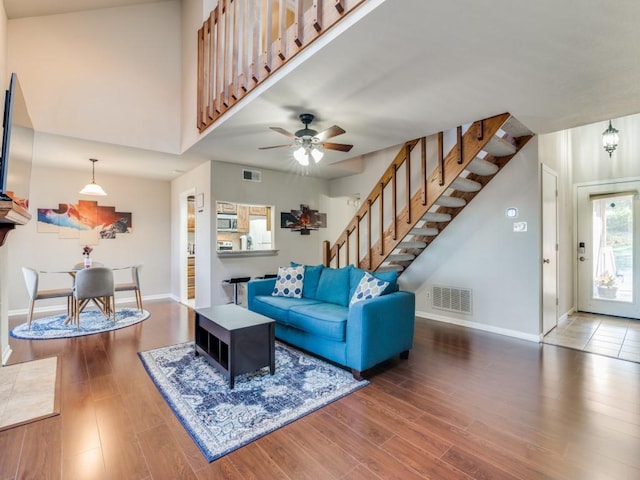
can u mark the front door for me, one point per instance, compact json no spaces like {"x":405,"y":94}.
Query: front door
{"x":608,"y":227}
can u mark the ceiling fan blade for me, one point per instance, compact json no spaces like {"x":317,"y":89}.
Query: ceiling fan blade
{"x":330,"y":132}
{"x":275,"y":146}
{"x":283,"y":131}
{"x":341,"y":147}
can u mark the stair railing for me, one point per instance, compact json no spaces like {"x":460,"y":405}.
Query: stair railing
{"x":243,"y":42}
{"x":394,"y":224}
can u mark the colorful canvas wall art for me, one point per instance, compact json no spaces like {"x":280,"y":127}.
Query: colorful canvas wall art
{"x":85,"y":220}
{"x":303,"y":220}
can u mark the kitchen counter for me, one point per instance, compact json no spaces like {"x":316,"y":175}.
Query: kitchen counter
{"x":246,"y":253}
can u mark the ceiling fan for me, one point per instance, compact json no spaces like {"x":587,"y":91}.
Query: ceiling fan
{"x":307,"y":141}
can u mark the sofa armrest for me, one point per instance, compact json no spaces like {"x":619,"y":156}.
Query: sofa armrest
{"x":259,"y":287}
{"x":380,"y":328}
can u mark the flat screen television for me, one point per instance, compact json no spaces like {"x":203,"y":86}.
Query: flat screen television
{"x":17,"y":146}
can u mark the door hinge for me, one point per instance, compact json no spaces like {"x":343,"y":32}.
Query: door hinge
{"x":557,"y":303}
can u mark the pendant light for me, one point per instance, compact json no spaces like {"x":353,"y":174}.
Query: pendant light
{"x":93,"y":188}
{"x":610,"y":139}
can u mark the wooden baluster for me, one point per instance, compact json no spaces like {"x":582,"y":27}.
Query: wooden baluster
{"x":201,"y":81}
{"x":246,"y":36}
{"x":268,"y":37}
{"x":407,"y":171}
{"x":394,"y":204}
{"x":369,"y":250}
{"x":298,"y":23}
{"x":481,"y":134}
{"x":441,"y":157}
{"x":317,"y":15}
{"x":235,"y":35}
{"x":358,"y":241}
{"x":348,"y":245}
{"x":423,"y":169}
{"x":220,"y":58}
{"x":282,"y":35}
{"x":381,"y":218}
{"x":459,"y":130}
{"x":255,"y":50}
{"x":326,"y":252}
{"x":211,"y":67}
{"x":339,"y":6}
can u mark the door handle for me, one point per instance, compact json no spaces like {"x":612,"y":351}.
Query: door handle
{"x":582,"y":259}
{"x":546,"y":260}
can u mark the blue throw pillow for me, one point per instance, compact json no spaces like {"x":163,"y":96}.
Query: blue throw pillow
{"x":289,"y":282}
{"x":333,"y":286}
{"x":369,"y":287}
{"x":311,"y":279}
{"x":358,"y":273}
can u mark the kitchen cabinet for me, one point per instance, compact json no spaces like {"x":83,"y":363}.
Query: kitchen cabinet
{"x":243,"y":218}
{"x":191,"y":277}
{"x":257,"y":210}
{"x":224,"y":207}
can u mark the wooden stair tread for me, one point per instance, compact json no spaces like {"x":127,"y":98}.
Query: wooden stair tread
{"x":466,"y":185}
{"x":450,"y":202}
{"x":481,"y":167}
{"x":499,"y":147}
{"x":436,"y":217}
{"x":411,"y":244}
{"x":424,"y":231}
{"x":516,"y":129}
{"x":401,"y":257}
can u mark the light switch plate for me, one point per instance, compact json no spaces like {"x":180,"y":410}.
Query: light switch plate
{"x":519,"y":227}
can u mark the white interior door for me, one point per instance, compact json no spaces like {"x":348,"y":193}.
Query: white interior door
{"x":549,"y":249}
{"x":608,"y":230}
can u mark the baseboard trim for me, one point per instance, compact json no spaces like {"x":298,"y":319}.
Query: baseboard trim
{"x":63,"y":308}
{"x":6,"y":354}
{"x":480,"y":326}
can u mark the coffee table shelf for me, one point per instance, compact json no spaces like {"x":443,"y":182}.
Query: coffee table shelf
{"x":235,"y":340}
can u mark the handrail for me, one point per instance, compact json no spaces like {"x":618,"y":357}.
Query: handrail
{"x":238,"y":48}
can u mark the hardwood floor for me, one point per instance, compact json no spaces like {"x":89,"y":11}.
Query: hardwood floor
{"x":467,"y":404}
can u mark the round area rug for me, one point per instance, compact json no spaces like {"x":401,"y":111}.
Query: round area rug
{"x":91,"y":321}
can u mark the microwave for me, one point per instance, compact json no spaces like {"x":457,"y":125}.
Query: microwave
{"x":227,"y":222}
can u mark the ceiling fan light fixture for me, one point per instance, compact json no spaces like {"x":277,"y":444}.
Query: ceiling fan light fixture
{"x":317,"y":154}
{"x":301,"y":156}
{"x":93,"y":188}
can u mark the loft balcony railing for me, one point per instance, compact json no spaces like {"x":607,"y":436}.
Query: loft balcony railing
{"x":243,"y":42}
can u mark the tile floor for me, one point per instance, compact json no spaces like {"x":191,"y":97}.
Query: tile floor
{"x":27,"y":391}
{"x":611,"y":336}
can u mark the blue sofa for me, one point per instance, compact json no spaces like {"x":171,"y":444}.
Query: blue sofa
{"x":323,"y":322}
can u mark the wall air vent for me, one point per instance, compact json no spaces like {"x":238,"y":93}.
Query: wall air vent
{"x":452,"y":299}
{"x":251,"y":175}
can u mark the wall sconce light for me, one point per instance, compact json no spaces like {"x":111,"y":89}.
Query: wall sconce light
{"x":610,"y":139}
{"x":93,"y":188}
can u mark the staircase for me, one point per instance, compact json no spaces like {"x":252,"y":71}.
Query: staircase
{"x":417,"y":197}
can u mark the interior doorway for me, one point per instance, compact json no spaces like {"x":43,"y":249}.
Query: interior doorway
{"x":188,"y":248}
{"x":549,"y":249}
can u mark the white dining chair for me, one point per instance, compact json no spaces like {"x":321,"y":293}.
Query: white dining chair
{"x":95,"y":283}
{"x":133,"y":285}
{"x":31,"y":279}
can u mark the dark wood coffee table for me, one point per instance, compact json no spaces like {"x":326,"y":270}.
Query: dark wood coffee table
{"x":235,"y":340}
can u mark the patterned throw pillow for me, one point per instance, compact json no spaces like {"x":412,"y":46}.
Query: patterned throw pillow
{"x":369,"y":287}
{"x":289,"y":282}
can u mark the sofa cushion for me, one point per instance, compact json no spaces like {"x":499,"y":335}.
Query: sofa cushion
{"x":311,"y":279}
{"x":278,"y":307}
{"x":369,"y":287}
{"x":289,"y":282}
{"x":358,"y":273}
{"x":333,"y":286}
{"x":326,"y":320}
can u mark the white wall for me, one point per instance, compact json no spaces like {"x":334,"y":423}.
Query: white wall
{"x":149,"y":243}
{"x":479,"y":249}
{"x":197,"y":181}
{"x":103,"y":74}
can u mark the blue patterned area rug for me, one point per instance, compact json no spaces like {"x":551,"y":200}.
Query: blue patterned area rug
{"x":221,"y":420}
{"x":91,"y":321}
